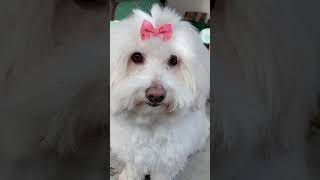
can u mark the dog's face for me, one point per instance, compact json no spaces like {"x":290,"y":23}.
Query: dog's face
{"x":154,"y":75}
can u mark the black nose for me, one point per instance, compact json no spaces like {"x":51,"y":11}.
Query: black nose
{"x":156,"y":94}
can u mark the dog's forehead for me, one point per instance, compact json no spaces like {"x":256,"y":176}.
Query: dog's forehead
{"x":156,"y":47}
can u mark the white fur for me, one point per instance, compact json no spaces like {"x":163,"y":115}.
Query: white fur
{"x":157,"y":140}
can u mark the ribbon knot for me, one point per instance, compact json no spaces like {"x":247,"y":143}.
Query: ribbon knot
{"x":147,"y":31}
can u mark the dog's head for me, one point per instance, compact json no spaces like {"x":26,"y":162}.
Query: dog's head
{"x":157,"y":75}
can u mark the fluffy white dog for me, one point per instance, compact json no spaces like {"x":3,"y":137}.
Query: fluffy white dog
{"x":159,"y":88}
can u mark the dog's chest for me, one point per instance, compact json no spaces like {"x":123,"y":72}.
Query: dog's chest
{"x":142,"y":140}
{"x":165,"y":144}
{"x":152,"y":148}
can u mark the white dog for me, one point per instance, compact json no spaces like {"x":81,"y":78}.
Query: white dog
{"x":159,"y":88}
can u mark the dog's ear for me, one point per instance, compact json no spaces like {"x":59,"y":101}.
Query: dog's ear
{"x":197,"y":76}
{"x":195,"y":61}
{"x":118,"y":68}
{"x":115,"y":76}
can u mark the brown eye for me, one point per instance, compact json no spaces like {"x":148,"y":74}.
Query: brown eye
{"x":137,"y":58}
{"x":173,"y":60}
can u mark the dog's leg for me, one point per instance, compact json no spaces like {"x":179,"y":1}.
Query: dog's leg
{"x":130,"y":173}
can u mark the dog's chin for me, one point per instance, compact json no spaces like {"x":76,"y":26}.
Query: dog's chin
{"x":152,"y":108}
{"x":153,"y":104}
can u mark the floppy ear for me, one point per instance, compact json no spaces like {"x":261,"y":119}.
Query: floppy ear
{"x":117,"y":59}
{"x":197,"y":78}
{"x":117,"y":70}
{"x":196,"y":63}
{"x":121,"y":39}
{"x":122,"y":34}
{"x":203,"y":75}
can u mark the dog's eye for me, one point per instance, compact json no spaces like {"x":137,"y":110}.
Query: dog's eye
{"x":137,"y":58}
{"x":173,"y":60}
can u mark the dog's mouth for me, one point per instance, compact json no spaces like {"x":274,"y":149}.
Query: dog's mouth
{"x":153,"y":104}
{"x":168,"y":106}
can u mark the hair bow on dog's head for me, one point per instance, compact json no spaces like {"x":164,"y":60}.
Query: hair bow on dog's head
{"x":147,"y":31}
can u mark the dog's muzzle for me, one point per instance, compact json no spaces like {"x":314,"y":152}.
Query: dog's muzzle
{"x":155,"y":94}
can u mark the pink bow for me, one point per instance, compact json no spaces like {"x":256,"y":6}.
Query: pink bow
{"x":147,"y":31}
